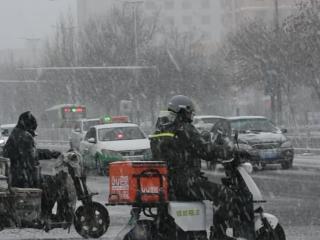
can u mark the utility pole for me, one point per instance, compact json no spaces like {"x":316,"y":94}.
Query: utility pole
{"x":278,"y":105}
{"x":135,"y":4}
{"x":69,"y":32}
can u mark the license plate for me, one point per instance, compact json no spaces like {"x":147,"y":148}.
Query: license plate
{"x":269,"y":154}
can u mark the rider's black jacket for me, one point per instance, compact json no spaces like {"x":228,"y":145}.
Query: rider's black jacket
{"x":182,"y":147}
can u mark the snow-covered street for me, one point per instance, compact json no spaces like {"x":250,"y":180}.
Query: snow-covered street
{"x":292,"y":195}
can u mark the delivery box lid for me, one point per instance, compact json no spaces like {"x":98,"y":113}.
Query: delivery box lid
{"x":138,"y":163}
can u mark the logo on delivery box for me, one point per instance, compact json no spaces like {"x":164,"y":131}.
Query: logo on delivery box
{"x":150,"y":189}
{"x":120,"y":183}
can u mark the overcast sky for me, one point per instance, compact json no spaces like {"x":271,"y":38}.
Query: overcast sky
{"x":20,"y":19}
{"x":30,"y":19}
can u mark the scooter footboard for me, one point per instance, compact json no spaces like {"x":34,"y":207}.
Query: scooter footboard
{"x":271,"y":219}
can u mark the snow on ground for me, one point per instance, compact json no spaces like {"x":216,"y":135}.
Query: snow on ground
{"x":299,"y":213}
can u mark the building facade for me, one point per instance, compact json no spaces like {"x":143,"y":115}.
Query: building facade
{"x":200,"y":16}
{"x":237,"y":12}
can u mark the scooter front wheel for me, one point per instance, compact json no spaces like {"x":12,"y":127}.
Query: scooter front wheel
{"x":91,"y":220}
{"x":143,"y":230}
{"x":278,"y":234}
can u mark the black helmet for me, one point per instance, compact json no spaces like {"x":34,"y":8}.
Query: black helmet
{"x":180,"y":102}
{"x":181,"y":105}
{"x":27,"y":122}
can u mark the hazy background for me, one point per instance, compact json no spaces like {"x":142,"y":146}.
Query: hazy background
{"x":20,"y":19}
{"x":30,"y":19}
{"x":230,"y":56}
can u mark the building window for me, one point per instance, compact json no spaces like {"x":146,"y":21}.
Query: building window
{"x":187,"y":20}
{"x":169,"y":4}
{"x":186,"y":4}
{"x":169,"y":20}
{"x":206,"y":19}
{"x":227,"y":5}
{"x":205,"y":3}
{"x":150,"y":5}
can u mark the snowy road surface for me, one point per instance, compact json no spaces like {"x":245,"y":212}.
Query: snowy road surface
{"x":293,"y":196}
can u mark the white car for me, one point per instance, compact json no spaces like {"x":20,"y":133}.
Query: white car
{"x":5,"y":131}
{"x":113,"y":142}
{"x":80,"y":129}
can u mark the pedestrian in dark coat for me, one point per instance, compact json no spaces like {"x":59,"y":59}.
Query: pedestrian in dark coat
{"x":24,"y":157}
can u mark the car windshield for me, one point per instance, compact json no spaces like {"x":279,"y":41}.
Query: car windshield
{"x":253,"y":125}
{"x":91,"y":123}
{"x":120,"y":133}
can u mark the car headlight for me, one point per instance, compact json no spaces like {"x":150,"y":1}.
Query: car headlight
{"x":110,"y":155}
{"x":286,"y":144}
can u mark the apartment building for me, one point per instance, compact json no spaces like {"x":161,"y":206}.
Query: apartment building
{"x":237,"y":12}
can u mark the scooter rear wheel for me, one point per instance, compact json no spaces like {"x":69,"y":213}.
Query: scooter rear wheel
{"x":91,"y":220}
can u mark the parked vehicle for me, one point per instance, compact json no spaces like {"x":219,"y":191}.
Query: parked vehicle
{"x":205,"y":123}
{"x":80,"y":129}
{"x":5,"y":131}
{"x":113,"y":142}
{"x":263,"y":141}
{"x":21,"y":207}
{"x":63,"y":115}
{"x":173,"y":220}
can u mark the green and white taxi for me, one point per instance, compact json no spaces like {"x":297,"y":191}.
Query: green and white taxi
{"x":111,"y":142}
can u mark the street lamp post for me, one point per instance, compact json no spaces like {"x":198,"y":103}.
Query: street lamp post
{"x":277,"y":80}
{"x":134,"y":5}
{"x":71,"y":85}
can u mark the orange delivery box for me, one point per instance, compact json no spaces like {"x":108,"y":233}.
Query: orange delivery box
{"x":138,"y":182}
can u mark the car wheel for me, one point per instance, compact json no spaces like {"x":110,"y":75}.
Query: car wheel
{"x":288,"y":160}
{"x":286,"y":164}
{"x":102,"y":171}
